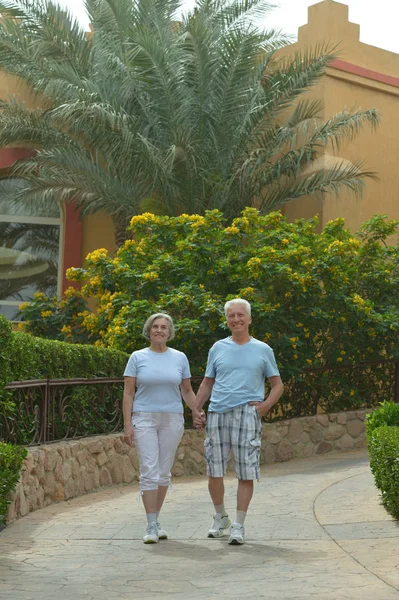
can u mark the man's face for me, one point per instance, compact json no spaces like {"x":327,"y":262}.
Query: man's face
{"x":238,"y":320}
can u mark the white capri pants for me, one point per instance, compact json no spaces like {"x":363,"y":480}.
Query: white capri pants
{"x":156,"y":436}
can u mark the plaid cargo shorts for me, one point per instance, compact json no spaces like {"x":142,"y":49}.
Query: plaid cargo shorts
{"x":238,"y":430}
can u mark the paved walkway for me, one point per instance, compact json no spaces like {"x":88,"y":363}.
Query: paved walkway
{"x":315,"y":530}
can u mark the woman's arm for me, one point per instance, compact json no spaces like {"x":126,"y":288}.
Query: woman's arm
{"x":187,"y":393}
{"x":128,"y":397}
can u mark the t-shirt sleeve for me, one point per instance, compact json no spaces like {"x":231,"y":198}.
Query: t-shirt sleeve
{"x":131,"y":367}
{"x":185,"y":374}
{"x":211,"y":367}
{"x":271,"y":369}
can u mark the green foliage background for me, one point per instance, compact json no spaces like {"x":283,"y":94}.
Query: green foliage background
{"x":320,"y":299}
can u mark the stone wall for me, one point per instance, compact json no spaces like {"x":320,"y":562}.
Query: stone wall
{"x":63,"y":470}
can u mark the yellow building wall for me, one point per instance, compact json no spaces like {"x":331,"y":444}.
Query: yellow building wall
{"x":328,"y":24}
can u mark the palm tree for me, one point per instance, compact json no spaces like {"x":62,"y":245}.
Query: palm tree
{"x":175,"y":115}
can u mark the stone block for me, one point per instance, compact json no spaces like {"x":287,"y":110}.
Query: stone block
{"x":269,"y":455}
{"x":58,"y":492}
{"x":177,"y":470}
{"x":51,"y":458}
{"x":197,"y":457}
{"x":361,"y":442}
{"x":49,"y":484}
{"x":322,"y":420}
{"x":101,"y":459}
{"x":341,"y":419}
{"x":284,"y":451}
{"x":355,"y":428}
{"x":324,"y":447}
{"x":272,"y":437}
{"x":316,"y":433}
{"x":70,"y":489}
{"x":332,"y":418}
{"x":334,"y":432}
{"x":345,"y":443}
{"x":295,"y":431}
{"x":115,"y":468}
{"x":94,"y":446}
{"x":105,"y":477}
{"x":66,"y":472}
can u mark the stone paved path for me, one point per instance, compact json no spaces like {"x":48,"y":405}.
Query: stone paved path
{"x":315,"y":530}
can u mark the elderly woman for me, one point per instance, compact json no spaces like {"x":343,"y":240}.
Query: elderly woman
{"x":156,"y":378}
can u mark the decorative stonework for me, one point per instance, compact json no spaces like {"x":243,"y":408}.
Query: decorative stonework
{"x":65,"y":470}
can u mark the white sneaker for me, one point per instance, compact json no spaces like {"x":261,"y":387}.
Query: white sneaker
{"x":151,"y":535}
{"x":220,"y":524}
{"x":162,"y":535}
{"x":237,"y":534}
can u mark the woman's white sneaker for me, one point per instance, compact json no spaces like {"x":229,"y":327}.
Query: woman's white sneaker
{"x":237,"y":534}
{"x":220,"y":524}
{"x":151,"y":535}
{"x":162,"y":535}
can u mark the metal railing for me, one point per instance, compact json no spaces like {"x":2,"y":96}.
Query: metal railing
{"x":49,"y":410}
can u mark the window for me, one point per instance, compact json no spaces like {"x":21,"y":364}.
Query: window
{"x":30,"y":237}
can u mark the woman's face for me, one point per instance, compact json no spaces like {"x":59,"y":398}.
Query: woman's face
{"x":159,"y":331}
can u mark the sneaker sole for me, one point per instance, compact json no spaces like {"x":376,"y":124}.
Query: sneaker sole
{"x":215,"y":535}
{"x":235,"y":542}
{"x":163,"y":537}
{"x":150,"y":541}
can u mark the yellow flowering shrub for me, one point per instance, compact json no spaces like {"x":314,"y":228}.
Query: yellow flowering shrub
{"x":319,"y":299}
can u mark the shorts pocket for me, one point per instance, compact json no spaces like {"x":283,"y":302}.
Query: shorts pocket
{"x":208,"y":450}
{"x":253,"y":453}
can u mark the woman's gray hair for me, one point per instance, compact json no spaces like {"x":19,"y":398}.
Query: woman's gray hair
{"x":230,"y":303}
{"x":150,"y":321}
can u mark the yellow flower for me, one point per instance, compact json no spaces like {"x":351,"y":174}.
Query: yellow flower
{"x":144,"y":218}
{"x":67,"y":330}
{"x":23,"y":305}
{"x":296,"y":356}
{"x":150,"y":275}
{"x":352,"y":393}
{"x":284,"y":241}
{"x":343,"y":352}
{"x":39,"y":295}
{"x":309,"y":361}
{"x":46,"y":313}
{"x":232,"y":230}
{"x":339,"y":359}
{"x":97,"y":255}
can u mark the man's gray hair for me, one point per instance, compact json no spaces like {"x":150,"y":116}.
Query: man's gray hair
{"x":230,"y":303}
{"x":149,"y":322}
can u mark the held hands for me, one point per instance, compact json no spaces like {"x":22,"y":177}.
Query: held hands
{"x":128,"y":435}
{"x":199,"y":419}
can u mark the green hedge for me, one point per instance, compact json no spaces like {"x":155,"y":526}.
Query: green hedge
{"x":386,"y":414}
{"x":11,"y":460}
{"x":27,"y":357}
{"x":382,"y":428}
{"x":384,"y":463}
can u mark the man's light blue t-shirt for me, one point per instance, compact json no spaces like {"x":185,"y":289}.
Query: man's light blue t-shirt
{"x":158,"y":377}
{"x":239,"y":372}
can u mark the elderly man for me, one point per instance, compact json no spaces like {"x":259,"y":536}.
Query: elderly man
{"x":234,"y":380}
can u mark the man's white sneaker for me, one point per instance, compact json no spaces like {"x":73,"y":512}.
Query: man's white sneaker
{"x":151,"y":535}
{"x":237,"y":534}
{"x":162,"y":535}
{"x":220,"y":524}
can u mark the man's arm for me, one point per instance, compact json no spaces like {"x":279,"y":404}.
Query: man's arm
{"x":276,"y":391}
{"x":204,"y":391}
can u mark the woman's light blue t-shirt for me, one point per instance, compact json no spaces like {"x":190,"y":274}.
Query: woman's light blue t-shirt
{"x":158,"y":377}
{"x":239,"y":372}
